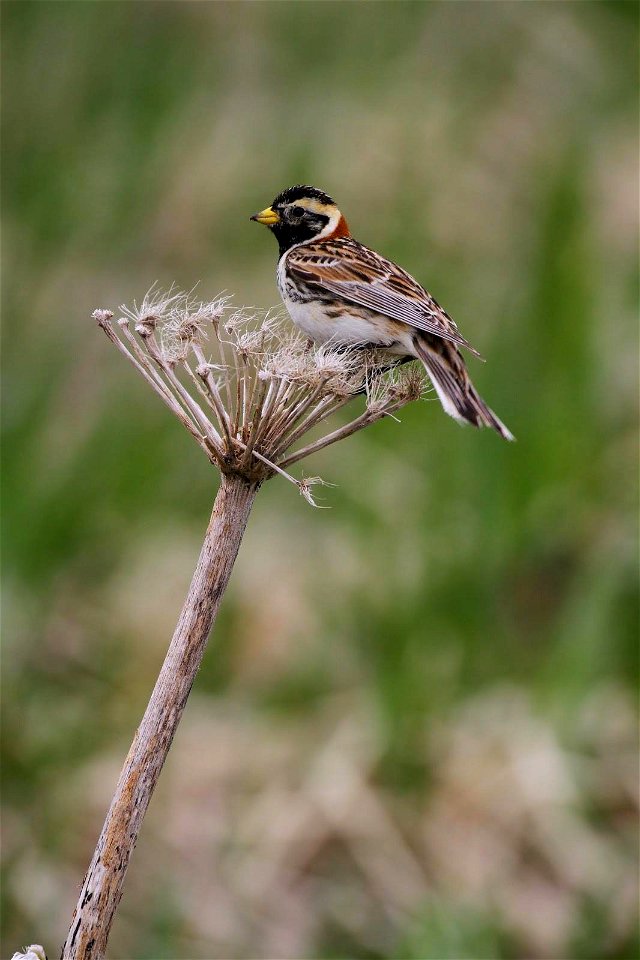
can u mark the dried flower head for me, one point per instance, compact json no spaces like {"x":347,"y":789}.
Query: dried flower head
{"x":247,"y":385}
{"x":33,"y":952}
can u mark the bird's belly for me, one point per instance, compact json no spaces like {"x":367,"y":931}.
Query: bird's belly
{"x":323,"y":322}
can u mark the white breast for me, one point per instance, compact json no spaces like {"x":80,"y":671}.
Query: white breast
{"x":309,"y":316}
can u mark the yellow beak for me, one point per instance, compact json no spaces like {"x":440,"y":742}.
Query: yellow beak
{"x":268,"y":217}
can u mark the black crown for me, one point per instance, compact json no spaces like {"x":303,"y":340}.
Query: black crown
{"x":299,"y":192}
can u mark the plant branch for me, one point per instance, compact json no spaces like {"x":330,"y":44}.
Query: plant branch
{"x":102,"y":886}
{"x":160,"y":388}
{"x":364,"y":420}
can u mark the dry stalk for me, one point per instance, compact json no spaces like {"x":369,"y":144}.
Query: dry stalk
{"x":246,"y":407}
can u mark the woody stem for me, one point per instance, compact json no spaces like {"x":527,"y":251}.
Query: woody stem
{"x":102,"y":887}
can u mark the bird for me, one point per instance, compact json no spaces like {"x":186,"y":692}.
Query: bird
{"x":337,"y":290}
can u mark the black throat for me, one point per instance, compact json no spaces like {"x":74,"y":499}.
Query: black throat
{"x":288,"y":234}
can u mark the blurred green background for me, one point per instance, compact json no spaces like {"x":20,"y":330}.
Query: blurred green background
{"x":414,"y":733}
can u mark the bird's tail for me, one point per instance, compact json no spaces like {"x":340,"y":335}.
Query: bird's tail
{"x":458,"y":396}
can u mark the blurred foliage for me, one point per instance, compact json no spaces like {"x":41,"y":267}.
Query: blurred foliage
{"x":414,"y":732}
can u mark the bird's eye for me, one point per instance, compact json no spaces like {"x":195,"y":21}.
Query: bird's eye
{"x":297,"y":212}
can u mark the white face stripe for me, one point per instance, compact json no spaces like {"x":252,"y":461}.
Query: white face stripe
{"x":334,"y":220}
{"x":316,"y":206}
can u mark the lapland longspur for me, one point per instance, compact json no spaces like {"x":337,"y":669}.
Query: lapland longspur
{"x":336,"y":289}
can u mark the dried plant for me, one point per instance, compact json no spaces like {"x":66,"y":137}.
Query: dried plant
{"x":33,"y":952}
{"x":266,"y":388}
{"x":248,"y":388}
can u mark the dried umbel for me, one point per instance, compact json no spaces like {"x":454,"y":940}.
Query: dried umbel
{"x":248,"y":386}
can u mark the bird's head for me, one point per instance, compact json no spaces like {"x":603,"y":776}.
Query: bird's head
{"x":301,"y":214}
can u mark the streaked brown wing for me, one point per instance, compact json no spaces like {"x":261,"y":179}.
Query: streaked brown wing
{"x":352,"y":271}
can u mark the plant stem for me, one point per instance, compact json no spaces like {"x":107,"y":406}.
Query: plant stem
{"x":102,"y":886}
